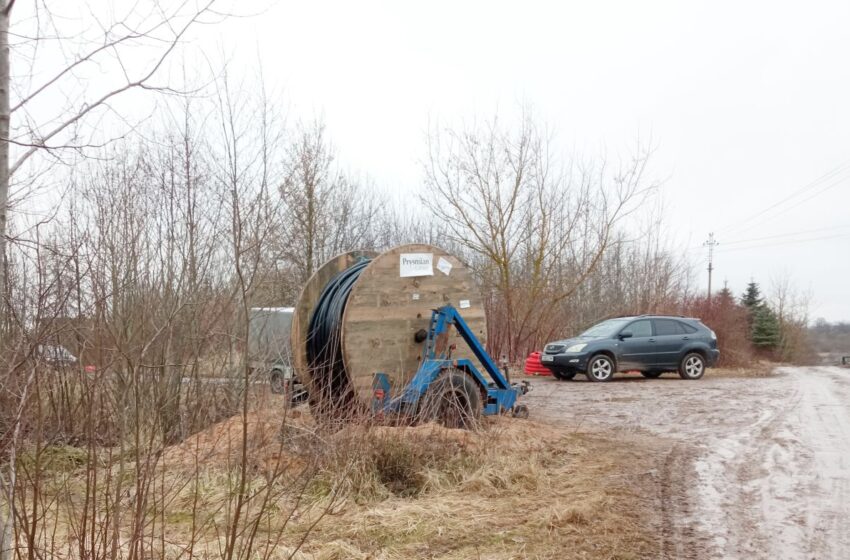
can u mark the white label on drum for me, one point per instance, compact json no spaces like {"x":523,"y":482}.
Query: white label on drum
{"x":416,"y":264}
{"x":444,"y":266}
{"x":464,"y":303}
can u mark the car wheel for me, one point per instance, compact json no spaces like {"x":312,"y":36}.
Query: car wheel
{"x":600,"y":368}
{"x":563,"y":375}
{"x":453,"y":399}
{"x":692,"y":366}
{"x":651,"y":374}
{"x":277,"y":382}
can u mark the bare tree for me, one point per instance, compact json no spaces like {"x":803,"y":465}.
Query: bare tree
{"x":328,"y":211}
{"x":5,"y":118}
{"x":640,"y":273}
{"x":33,"y":124}
{"x":791,"y":306}
{"x":536,"y":224}
{"x":148,"y":273}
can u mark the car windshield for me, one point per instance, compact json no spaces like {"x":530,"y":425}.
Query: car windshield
{"x":605,"y":328}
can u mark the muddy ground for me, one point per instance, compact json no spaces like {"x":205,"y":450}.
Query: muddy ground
{"x":744,"y":467}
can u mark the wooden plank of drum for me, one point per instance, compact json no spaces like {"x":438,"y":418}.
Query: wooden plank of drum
{"x":385,"y":310}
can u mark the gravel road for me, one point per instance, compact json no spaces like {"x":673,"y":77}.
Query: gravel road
{"x":747,"y":467}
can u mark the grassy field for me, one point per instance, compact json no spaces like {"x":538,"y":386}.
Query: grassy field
{"x":511,"y":489}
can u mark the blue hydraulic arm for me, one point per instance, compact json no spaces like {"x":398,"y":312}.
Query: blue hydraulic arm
{"x":447,"y":316}
{"x":436,"y":358}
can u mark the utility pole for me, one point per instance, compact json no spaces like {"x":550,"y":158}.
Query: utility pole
{"x":711,"y":244}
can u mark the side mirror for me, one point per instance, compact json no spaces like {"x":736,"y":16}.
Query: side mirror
{"x":626,"y":334}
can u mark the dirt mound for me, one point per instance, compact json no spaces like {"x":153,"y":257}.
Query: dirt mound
{"x":276,"y":436}
{"x":221,"y":444}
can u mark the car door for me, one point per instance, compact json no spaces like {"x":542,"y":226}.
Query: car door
{"x":670,"y":338}
{"x":638,"y":350}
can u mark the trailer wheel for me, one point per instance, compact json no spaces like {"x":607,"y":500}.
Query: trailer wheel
{"x":520,"y":411}
{"x":277,"y":382}
{"x":453,"y":399}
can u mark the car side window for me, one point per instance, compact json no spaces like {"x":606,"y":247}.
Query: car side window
{"x":642,"y":328}
{"x":668,"y":327}
{"x":687,"y":329}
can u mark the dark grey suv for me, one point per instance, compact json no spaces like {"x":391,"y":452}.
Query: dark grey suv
{"x":649,"y":344}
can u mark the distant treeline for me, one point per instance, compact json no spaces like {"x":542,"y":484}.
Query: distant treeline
{"x":832,"y":338}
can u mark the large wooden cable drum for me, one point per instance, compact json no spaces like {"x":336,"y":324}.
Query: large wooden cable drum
{"x":389,"y":301}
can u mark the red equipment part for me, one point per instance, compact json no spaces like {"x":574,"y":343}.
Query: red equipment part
{"x":533,"y":366}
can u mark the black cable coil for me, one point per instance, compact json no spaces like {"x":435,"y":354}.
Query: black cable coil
{"x":324,"y":340}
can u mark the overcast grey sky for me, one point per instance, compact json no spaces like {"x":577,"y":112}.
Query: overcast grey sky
{"x":747,"y":102}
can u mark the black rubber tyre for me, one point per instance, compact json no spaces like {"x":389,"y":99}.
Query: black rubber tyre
{"x":563,"y":375}
{"x":692,"y":366}
{"x":277,"y":382}
{"x":651,"y":374}
{"x":600,"y":368}
{"x":453,"y":399}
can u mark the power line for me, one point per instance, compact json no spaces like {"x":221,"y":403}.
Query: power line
{"x":771,"y":237}
{"x":826,"y":176}
{"x":836,"y":171}
{"x":784,"y":243}
{"x":791,"y":234}
{"x":796,"y":205}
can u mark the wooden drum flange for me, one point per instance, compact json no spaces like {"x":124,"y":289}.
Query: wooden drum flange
{"x":304,"y":308}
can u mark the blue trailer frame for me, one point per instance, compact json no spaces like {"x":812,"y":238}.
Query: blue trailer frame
{"x":501,"y":395}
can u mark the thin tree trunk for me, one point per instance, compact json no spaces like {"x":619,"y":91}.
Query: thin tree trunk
{"x":4,"y":150}
{"x":5,"y":7}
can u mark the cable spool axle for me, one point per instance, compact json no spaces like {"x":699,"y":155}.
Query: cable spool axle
{"x":362,"y":313}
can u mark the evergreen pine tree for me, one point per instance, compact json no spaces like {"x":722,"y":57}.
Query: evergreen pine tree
{"x":752,"y":296}
{"x":765,"y":331}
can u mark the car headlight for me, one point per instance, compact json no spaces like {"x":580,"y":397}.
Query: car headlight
{"x":576,"y":347}
{"x":713,"y":335}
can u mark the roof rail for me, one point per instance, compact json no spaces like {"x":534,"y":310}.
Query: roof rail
{"x":660,"y":315}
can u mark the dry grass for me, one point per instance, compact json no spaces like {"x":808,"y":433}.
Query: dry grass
{"x":513,"y":489}
{"x":520,"y":490}
{"x":758,"y":369}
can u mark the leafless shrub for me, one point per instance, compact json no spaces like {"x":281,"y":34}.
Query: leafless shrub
{"x":148,"y":274}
